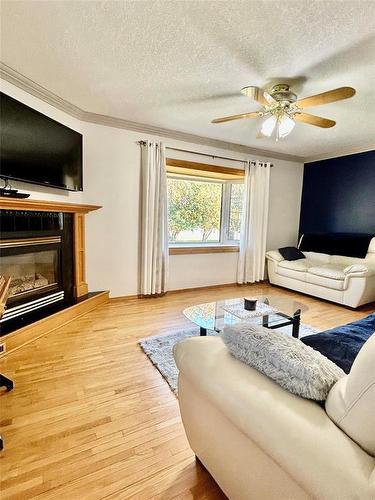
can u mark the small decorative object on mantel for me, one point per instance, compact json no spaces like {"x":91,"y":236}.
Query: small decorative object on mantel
{"x":250,"y":304}
{"x":9,"y":192}
{"x":262,"y":309}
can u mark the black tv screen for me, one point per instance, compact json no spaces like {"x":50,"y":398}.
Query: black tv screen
{"x":37,"y":149}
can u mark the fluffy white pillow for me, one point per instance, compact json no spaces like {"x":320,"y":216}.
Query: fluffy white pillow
{"x":296,"y":367}
{"x":351,"y":402}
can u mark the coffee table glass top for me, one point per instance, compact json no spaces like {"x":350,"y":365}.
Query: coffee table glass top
{"x":212,"y":316}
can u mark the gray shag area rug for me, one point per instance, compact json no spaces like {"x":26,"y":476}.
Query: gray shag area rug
{"x":159,"y":348}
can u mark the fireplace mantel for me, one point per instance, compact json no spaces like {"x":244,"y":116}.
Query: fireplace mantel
{"x":83,"y":301}
{"x":45,"y":205}
{"x":79,"y":212}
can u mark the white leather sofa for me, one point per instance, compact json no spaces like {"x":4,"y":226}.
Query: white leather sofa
{"x":260,"y":442}
{"x":346,"y":280}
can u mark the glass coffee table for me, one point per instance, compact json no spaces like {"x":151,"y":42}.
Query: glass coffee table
{"x":213,"y":316}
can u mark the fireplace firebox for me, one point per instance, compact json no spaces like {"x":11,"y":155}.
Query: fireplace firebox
{"x":36,"y":251}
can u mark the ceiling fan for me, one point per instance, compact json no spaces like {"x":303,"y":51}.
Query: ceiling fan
{"x":281,"y":108}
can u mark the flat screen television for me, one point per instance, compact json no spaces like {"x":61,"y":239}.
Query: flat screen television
{"x":37,"y":149}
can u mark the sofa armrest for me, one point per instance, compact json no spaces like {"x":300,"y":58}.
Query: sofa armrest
{"x":359,"y":270}
{"x":296,"y":433}
{"x":274,"y":255}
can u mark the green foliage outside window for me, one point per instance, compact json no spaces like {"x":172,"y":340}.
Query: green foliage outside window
{"x":194,"y":206}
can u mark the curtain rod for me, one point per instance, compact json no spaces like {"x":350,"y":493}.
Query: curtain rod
{"x":210,"y":156}
{"x":205,"y":154}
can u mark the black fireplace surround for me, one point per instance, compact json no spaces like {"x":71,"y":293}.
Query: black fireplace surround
{"x":36,"y":250}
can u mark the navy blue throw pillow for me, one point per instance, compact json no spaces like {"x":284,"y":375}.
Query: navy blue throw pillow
{"x":291,"y":253}
{"x":342,"y":344}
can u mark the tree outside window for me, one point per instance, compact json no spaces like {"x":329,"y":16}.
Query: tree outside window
{"x":203,"y":212}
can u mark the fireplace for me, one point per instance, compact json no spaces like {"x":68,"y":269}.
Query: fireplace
{"x":36,"y":251}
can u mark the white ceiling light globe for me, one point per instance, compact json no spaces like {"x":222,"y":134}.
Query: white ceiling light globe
{"x":286,"y":125}
{"x":268,"y":126}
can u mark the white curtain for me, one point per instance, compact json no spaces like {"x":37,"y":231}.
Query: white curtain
{"x":154,"y":220}
{"x":251,"y":261}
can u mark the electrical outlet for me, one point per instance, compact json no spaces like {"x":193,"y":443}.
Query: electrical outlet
{"x":2,"y":348}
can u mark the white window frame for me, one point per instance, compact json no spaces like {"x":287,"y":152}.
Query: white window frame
{"x":225,"y":213}
{"x":224,"y":216}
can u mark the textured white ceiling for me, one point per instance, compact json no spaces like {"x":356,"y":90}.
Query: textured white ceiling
{"x":178,"y":64}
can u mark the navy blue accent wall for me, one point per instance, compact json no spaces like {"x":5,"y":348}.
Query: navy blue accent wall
{"x":338,"y":195}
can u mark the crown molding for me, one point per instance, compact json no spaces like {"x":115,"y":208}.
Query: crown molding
{"x":111,"y":121}
{"x":23,"y":82}
{"x":12,"y":76}
{"x":350,"y":150}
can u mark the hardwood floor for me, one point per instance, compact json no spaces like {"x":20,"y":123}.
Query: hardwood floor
{"x":90,"y":417}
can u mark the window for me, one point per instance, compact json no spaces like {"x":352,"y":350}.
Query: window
{"x":235,"y":211}
{"x":203,"y":211}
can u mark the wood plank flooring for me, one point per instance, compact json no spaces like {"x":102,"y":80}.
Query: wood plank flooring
{"x":91,"y":418}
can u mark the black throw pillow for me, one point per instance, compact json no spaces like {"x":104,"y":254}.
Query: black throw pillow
{"x":291,"y":253}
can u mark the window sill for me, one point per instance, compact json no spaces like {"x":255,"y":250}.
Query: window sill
{"x":196,"y":249}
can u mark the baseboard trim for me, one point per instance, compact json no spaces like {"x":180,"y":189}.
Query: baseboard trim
{"x":125,"y":298}
{"x":30,"y":333}
{"x":211,"y":287}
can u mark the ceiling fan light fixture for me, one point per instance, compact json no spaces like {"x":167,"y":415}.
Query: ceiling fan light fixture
{"x":286,"y":125}
{"x":281,"y":108}
{"x":268,"y":126}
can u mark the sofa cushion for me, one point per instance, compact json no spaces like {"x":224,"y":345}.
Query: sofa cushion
{"x":348,"y":261}
{"x":351,"y":402}
{"x":301,"y":265}
{"x":319,"y":258}
{"x":331,"y":271}
{"x":290,"y":273}
{"x":321,"y":281}
{"x":342,"y":344}
{"x":293,"y":365}
{"x":291,"y":253}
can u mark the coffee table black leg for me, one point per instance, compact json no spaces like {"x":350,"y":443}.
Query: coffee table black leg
{"x":296,"y":322}
{"x":6,"y":382}
{"x":265,"y":321}
{"x":203,"y":332}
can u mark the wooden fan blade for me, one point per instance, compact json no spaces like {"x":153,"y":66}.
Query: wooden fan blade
{"x":255,"y":93}
{"x":253,"y":114}
{"x":326,"y":97}
{"x":318,"y":121}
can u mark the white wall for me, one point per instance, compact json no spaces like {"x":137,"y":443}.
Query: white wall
{"x":285,"y":203}
{"x":190,"y":271}
{"x":111,"y":179}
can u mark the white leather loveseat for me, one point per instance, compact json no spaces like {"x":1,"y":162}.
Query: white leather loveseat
{"x":346,"y":280}
{"x":260,"y":442}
